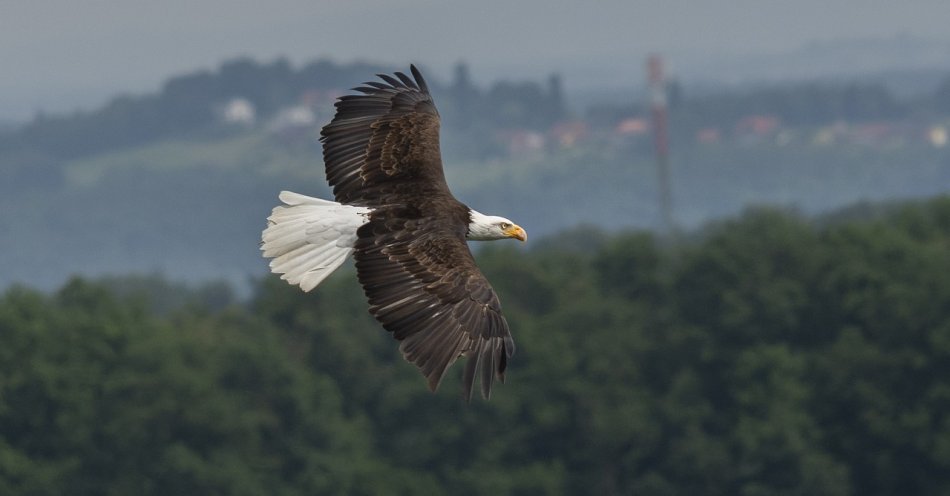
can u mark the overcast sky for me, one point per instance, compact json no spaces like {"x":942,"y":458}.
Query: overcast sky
{"x":56,"y":54}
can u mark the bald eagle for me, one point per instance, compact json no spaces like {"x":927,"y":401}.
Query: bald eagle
{"x":406,"y":231}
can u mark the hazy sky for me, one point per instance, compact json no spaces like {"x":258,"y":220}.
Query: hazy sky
{"x":56,"y":54}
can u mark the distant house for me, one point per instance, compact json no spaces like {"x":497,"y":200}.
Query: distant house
{"x":757,"y":125}
{"x":753,"y":129}
{"x":831,"y":134}
{"x":522,"y":141}
{"x":937,"y":136}
{"x":295,"y":123}
{"x":873,"y":133}
{"x":632,"y":126}
{"x":293,"y":117}
{"x":569,"y":133}
{"x":708,"y":136}
{"x":239,"y":111}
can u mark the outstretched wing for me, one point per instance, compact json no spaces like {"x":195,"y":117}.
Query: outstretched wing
{"x":424,"y":287}
{"x":384,"y":142}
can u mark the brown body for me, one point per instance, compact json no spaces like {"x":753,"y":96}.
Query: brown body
{"x":382,"y":152}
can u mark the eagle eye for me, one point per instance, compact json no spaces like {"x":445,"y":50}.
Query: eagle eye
{"x":505,"y":225}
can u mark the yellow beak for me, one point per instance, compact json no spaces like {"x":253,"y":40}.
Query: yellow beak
{"x":515,"y":231}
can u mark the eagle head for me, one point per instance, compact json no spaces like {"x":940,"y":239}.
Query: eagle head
{"x":489,"y":227}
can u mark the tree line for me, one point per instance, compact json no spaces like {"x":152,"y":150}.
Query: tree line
{"x":185,"y":106}
{"x":765,"y":355}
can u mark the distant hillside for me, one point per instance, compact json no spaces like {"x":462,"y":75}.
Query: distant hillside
{"x":193,"y":210}
{"x":197,"y":103}
{"x":184,"y":105}
{"x":166,"y":183}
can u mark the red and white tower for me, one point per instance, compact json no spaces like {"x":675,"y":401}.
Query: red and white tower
{"x":657,"y":85}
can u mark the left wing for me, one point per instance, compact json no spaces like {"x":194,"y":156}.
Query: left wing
{"x":424,"y":287}
{"x":384,"y":142}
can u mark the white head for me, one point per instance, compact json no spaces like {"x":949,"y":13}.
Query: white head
{"x":489,"y":227}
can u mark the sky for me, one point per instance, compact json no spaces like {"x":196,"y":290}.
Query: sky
{"x":58,"y":55}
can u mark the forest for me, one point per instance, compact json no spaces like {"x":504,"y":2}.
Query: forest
{"x":767,"y":354}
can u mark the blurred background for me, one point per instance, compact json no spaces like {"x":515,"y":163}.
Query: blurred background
{"x":738,"y":280}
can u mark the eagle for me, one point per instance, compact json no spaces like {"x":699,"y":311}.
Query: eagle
{"x":394,"y":213}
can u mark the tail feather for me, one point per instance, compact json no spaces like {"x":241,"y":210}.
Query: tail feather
{"x":308,"y":238}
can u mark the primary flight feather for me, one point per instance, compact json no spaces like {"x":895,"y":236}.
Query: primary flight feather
{"x":407,"y":233}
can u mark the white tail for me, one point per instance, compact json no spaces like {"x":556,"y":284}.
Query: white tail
{"x":309,"y":237}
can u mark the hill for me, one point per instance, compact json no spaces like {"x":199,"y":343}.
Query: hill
{"x":170,"y":183}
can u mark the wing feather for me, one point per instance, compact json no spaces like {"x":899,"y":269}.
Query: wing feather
{"x":383,"y":139}
{"x":408,"y":83}
{"x":425,"y":288}
{"x":391,"y":80}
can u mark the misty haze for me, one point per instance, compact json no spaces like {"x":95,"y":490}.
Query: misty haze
{"x":737,"y":281}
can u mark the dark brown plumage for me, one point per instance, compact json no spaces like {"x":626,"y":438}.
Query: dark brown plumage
{"x":382,"y":151}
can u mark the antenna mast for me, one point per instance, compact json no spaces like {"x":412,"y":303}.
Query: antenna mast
{"x":661,"y":141}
